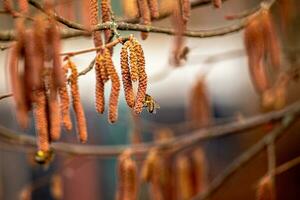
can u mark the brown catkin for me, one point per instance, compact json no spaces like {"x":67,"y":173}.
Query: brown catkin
{"x":144,"y":12}
{"x":93,"y":17}
{"x":115,"y":88}
{"x":199,"y":170}
{"x":23,"y":6}
{"x":154,"y":11}
{"x":142,"y":86}
{"x":184,"y":181}
{"x":147,"y":168}
{"x":256,"y":49}
{"x":41,"y":121}
{"x":54,"y":117}
{"x":134,"y":65}
{"x":65,"y":103}
{"x":78,"y":109}
{"x":121,"y":173}
{"x":106,"y":17}
{"x":126,"y":77}
{"x":270,"y":38}
{"x":217,"y":3}
{"x":265,"y":190}
{"x":185,"y":10}
{"x":8,"y":6}
{"x":101,"y":78}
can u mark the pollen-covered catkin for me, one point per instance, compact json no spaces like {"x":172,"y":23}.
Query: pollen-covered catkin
{"x":101,"y":78}
{"x":134,"y":65}
{"x":65,"y":103}
{"x":145,"y":16}
{"x":153,"y":5}
{"x":115,"y":88}
{"x":265,"y":190}
{"x":185,"y":10}
{"x":126,"y":78}
{"x":142,"y":86}
{"x":270,"y":38}
{"x":41,"y":121}
{"x":106,"y":17}
{"x":93,"y":17}
{"x":79,"y":112}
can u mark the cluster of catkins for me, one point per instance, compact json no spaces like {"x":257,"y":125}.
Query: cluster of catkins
{"x":263,"y":49}
{"x":39,"y":83}
{"x":158,"y":170}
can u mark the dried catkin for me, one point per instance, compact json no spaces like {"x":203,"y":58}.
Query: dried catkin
{"x":41,"y":121}
{"x":199,"y":170}
{"x":144,"y":12}
{"x":199,"y":111}
{"x":184,"y":182}
{"x":126,"y":77}
{"x":101,"y":78}
{"x":134,"y":65}
{"x":256,"y":49}
{"x":106,"y":17}
{"x":185,"y":10}
{"x":93,"y":17}
{"x":270,"y":38}
{"x":115,"y":87}
{"x":142,"y":86}
{"x":78,"y":109}
{"x":65,"y":104}
{"x":217,"y":3}
{"x":265,"y":190}
{"x":153,"y":5}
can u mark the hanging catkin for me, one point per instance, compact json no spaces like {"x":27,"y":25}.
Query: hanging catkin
{"x":23,"y":6}
{"x":255,"y":47}
{"x":41,"y":121}
{"x":217,"y":3}
{"x":184,"y":182}
{"x":145,"y":16}
{"x":8,"y":6}
{"x":115,"y":88}
{"x":270,"y":38}
{"x":106,"y":17}
{"x":142,"y":86}
{"x":153,"y":5}
{"x":78,"y":109}
{"x":134,"y":65}
{"x":199,"y":170}
{"x":265,"y":190}
{"x":65,"y":103}
{"x":54,"y":116}
{"x":101,"y":78}
{"x":126,"y":77}
{"x":94,"y":20}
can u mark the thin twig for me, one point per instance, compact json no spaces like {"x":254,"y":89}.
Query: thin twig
{"x":5,"y":96}
{"x":286,"y":166}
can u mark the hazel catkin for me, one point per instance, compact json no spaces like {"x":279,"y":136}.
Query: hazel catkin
{"x":93,"y":17}
{"x":115,"y":88}
{"x":106,"y":17}
{"x":144,"y":12}
{"x":153,"y":6}
{"x":79,"y":112}
{"x":101,"y":78}
{"x":126,"y":75}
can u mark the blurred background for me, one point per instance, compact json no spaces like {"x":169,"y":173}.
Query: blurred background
{"x":222,"y":60}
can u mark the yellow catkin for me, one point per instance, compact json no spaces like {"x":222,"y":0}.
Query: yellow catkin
{"x":93,"y":17}
{"x":65,"y":104}
{"x":115,"y":88}
{"x":134,"y":65}
{"x":185,"y":10}
{"x":199,"y":170}
{"x":255,"y":47}
{"x":199,"y":111}
{"x":184,"y":182}
{"x":142,"y":86}
{"x":153,"y":5}
{"x":217,"y":3}
{"x":41,"y":121}
{"x":144,"y":12}
{"x":101,"y":78}
{"x":126,"y":75}
{"x":265,"y":190}
{"x":271,"y":38}
{"x":78,"y":109}
{"x":106,"y":17}
{"x":147,"y":168}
